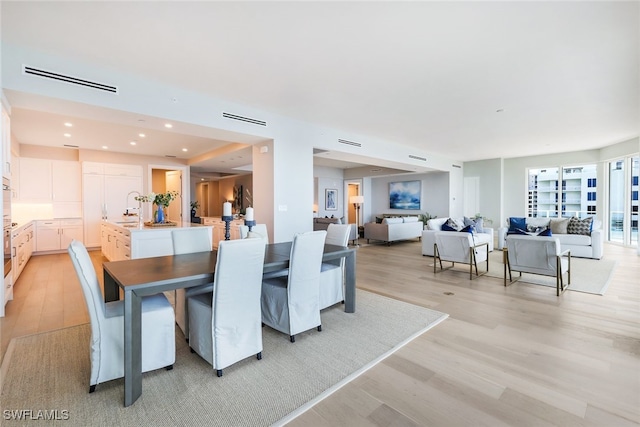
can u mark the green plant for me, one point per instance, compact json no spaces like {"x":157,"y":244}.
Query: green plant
{"x":158,"y":199}
{"x":425,"y":217}
{"x":195,"y":205}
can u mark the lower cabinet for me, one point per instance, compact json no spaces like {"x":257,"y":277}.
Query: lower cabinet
{"x":57,"y":234}
{"x":115,"y":242}
{"x":22,"y":247}
{"x":219,"y":230}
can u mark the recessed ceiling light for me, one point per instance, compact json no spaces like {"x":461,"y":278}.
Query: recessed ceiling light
{"x":184,"y":149}
{"x":201,"y":179}
{"x":141,"y":135}
{"x":67,"y":124}
{"x":104,"y":147}
{"x":168,"y":125}
{"x":67,"y":135}
{"x":133,"y":143}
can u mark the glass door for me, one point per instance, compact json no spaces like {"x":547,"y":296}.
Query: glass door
{"x":623,"y":200}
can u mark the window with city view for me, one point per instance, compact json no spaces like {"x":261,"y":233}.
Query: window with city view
{"x":576,"y":197}
{"x":623,"y":200}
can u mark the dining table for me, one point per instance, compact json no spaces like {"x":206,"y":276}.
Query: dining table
{"x":140,"y":277}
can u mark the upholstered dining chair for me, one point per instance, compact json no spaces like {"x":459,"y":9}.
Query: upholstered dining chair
{"x":291,"y":304}
{"x":186,"y":241}
{"x":225,"y":325}
{"x":258,"y":230}
{"x":107,"y":326}
{"x":460,"y":247}
{"x":538,"y":255}
{"x":332,"y":272}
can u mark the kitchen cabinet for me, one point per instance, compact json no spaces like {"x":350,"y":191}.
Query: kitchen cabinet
{"x":218,"y":229}
{"x":6,"y":143}
{"x":105,"y":191}
{"x":116,"y":242}
{"x":49,"y":181}
{"x":22,"y":242}
{"x":56,"y":234}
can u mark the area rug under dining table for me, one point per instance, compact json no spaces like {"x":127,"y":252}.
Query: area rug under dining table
{"x":47,"y":374}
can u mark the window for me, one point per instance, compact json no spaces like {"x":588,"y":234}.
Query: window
{"x":634,"y":195}
{"x":591,"y":196}
{"x":622,"y":214}
{"x":591,"y":182}
{"x":634,"y":180}
{"x":591,"y":210}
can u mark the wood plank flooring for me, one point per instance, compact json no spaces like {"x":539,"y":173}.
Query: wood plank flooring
{"x":516,"y":356}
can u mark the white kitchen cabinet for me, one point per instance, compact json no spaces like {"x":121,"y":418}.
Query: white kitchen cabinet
{"x":218,"y":230}
{"x":116,"y":242}
{"x":49,"y":181}
{"x":22,"y":242}
{"x":57,"y":234}
{"x":6,"y":143}
{"x":104,"y":189}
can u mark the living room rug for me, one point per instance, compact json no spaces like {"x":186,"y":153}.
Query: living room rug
{"x":587,"y":275}
{"x":46,"y":375}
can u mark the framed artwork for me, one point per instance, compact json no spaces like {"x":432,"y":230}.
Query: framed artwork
{"x":405,"y":194}
{"x":331,"y":199}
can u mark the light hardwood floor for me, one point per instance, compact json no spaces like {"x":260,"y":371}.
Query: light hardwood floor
{"x":517,"y":356}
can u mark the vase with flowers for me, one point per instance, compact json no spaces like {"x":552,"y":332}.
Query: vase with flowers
{"x":161,"y":200}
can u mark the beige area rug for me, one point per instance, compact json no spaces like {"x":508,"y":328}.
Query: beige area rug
{"x":587,"y":275}
{"x":46,"y":375}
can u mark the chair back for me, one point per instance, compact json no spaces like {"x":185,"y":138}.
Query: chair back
{"x":338,"y":234}
{"x":237,"y":290}
{"x":534,"y":254}
{"x":454,"y":246}
{"x":257,"y":230}
{"x":189,"y":240}
{"x":93,"y":297}
{"x":304,"y":278}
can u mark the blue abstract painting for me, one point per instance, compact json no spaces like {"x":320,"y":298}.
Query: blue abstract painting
{"x":404,"y":195}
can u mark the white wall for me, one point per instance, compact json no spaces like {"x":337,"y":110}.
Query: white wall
{"x":328,"y":178}
{"x":435,"y":195}
{"x":490,"y":174}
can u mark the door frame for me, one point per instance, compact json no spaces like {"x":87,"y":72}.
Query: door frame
{"x":185,"y":184}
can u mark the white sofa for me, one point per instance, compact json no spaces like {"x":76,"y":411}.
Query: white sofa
{"x":394,"y":229}
{"x":434,"y":225}
{"x":581,"y":245}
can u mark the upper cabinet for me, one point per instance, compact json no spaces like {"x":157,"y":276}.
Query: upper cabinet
{"x":6,"y":143}
{"x":49,"y":181}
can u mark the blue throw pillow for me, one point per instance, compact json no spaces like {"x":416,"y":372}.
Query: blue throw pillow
{"x":546,"y":232}
{"x":518,"y":231}
{"x":468,"y":229}
{"x":517,"y":223}
{"x":447,"y":227}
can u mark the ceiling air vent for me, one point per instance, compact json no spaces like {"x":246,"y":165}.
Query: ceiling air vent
{"x":344,"y":141}
{"x":457,"y":166}
{"x":411,"y":156}
{"x":168,"y":155}
{"x":68,"y":79}
{"x":70,"y":146}
{"x":244,"y":119}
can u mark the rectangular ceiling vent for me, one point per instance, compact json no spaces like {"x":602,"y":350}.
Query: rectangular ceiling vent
{"x":31,"y":71}
{"x":457,"y":166}
{"x":411,"y":156}
{"x":71,"y":146}
{"x":244,"y":119}
{"x":344,"y":141}
{"x":170,"y":156}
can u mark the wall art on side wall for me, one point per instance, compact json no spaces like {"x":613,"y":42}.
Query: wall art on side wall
{"x":331,"y":199}
{"x":405,"y":194}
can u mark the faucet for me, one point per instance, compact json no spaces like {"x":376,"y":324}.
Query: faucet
{"x":139,"y":206}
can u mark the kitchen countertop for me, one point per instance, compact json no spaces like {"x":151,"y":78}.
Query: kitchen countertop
{"x":133,"y":226}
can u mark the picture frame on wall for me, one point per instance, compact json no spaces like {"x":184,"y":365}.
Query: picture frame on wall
{"x":405,"y":195}
{"x":331,"y":199}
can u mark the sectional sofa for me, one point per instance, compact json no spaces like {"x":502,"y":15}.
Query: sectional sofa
{"x":394,"y":229}
{"x":482,"y":234}
{"x":584,"y":237}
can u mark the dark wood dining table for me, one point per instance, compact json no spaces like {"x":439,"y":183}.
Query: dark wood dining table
{"x":147,"y":276}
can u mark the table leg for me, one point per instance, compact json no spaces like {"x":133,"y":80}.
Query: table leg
{"x":111,"y":288}
{"x":132,"y":347}
{"x":350,"y":282}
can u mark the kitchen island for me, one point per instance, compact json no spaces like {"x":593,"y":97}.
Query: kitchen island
{"x":121,"y":240}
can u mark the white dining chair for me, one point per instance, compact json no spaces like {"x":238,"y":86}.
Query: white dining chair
{"x":291,"y":304}
{"x":225,"y":325}
{"x":258,"y":230}
{"x":185,"y":241}
{"x":107,"y":326}
{"x":332,"y":272}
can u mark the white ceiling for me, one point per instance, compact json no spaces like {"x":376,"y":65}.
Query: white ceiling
{"x":465,"y":80}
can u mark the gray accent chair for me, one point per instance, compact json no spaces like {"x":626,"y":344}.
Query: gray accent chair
{"x":291,"y":304}
{"x":107,"y":326}
{"x":225,"y":326}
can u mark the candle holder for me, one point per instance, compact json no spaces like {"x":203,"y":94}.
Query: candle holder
{"x":227,"y":225}
{"x":249,"y":223}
